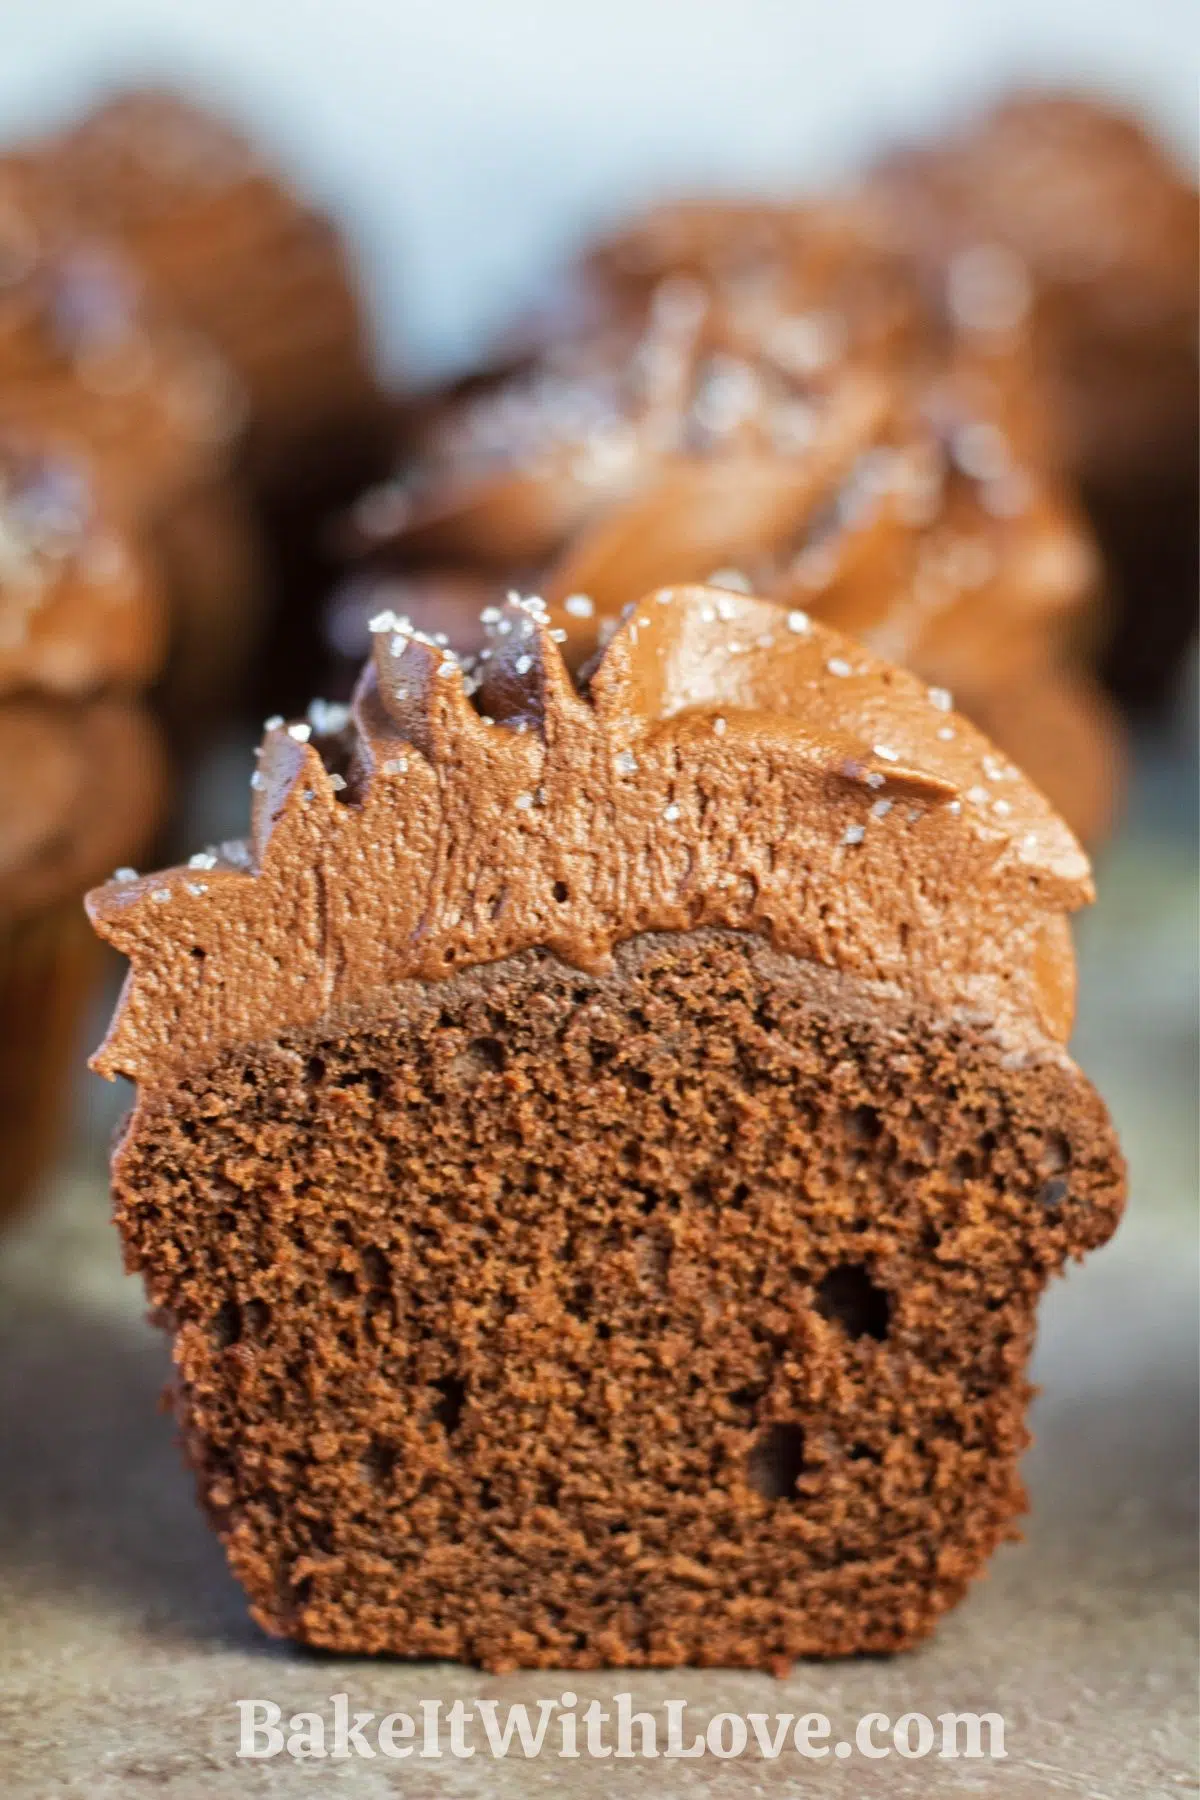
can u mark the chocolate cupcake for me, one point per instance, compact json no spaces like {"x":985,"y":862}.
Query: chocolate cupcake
{"x":86,"y":363}
{"x":83,"y":627}
{"x":600,"y":1142}
{"x":1059,"y":218}
{"x":905,"y":501}
{"x":224,"y":244}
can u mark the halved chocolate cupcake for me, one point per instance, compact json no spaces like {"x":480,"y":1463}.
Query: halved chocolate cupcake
{"x":601,"y":1140}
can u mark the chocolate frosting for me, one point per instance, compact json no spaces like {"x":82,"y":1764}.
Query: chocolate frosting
{"x":1060,"y":221}
{"x":510,"y":469}
{"x":80,"y":605}
{"x":935,"y":537}
{"x":224,"y":243}
{"x":83,"y":357}
{"x":82,"y":786}
{"x":720,"y":762}
{"x":740,"y":405}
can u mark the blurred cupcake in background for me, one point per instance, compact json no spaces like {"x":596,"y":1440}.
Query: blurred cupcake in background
{"x":1060,"y":219}
{"x":780,"y":408}
{"x":82,"y":770}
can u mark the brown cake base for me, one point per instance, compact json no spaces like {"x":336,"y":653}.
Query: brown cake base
{"x":675,"y":1317}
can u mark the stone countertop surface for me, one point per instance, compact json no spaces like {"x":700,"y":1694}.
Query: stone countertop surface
{"x":124,"y":1643}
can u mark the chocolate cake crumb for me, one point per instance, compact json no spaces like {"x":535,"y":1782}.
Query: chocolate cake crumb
{"x":678,"y":1314}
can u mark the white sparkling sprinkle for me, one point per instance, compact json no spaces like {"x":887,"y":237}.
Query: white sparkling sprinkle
{"x":1002,"y":807}
{"x":981,"y":450}
{"x":491,"y":615}
{"x":328,"y":717}
{"x":125,"y":874}
{"x":732,"y":579}
{"x":258,"y":779}
{"x":558,"y":635}
{"x":874,"y":778}
{"x":854,"y":834}
{"x":881,"y":809}
{"x":523,"y":665}
{"x":161,"y":894}
{"x":994,"y":769}
{"x":942,"y":698}
{"x":448,"y":667}
{"x":946,"y":733}
{"x":301,"y":733}
{"x":799,"y":622}
{"x":395,"y":765}
{"x":196,"y":887}
{"x":580,"y":606}
{"x":671,"y":813}
{"x":837,"y":665}
{"x":707,"y":614}
{"x":626,"y":762}
{"x":383,"y":621}
{"x":273,"y":723}
{"x":524,"y":802}
{"x":726,"y":610}
{"x":954,"y":806}
{"x":886,"y":752}
{"x":988,"y":289}
{"x":720,"y":727}
{"x":978,"y":796}
{"x":203,"y":859}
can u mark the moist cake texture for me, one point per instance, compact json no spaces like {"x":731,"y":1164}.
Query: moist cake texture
{"x":600,"y":1142}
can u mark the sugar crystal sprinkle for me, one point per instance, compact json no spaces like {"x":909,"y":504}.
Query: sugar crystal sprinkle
{"x":886,"y":752}
{"x":946,"y":733}
{"x":523,"y":665}
{"x":396,"y":765}
{"x":273,"y":723}
{"x":671,"y":813}
{"x":337,"y":783}
{"x":196,"y":887}
{"x":720,"y":727}
{"x":837,"y":665}
{"x":258,"y":779}
{"x":125,"y":874}
{"x":580,"y":606}
{"x":874,"y":778}
{"x":881,"y":809}
{"x":853,"y":834}
{"x":161,"y":894}
{"x":942,"y":698}
{"x":799,"y":622}
{"x":626,"y":762}
{"x":203,"y":859}
{"x":524,"y":802}
{"x":301,"y":733}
